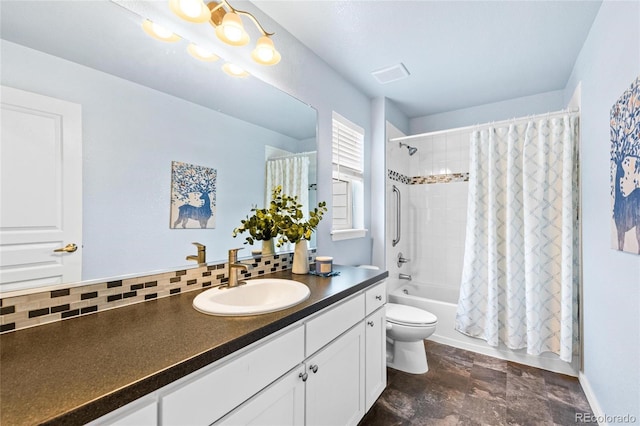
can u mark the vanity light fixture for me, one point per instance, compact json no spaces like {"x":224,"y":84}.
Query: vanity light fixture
{"x":191,"y":10}
{"x":234,"y":71}
{"x":231,"y":30}
{"x":228,"y":26}
{"x":265,"y":53}
{"x":159,"y":32}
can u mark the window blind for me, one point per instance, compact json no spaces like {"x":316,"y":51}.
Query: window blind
{"x":347,"y":146}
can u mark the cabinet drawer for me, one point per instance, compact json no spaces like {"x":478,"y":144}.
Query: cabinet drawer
{"x":376,"y":297}
{"x":213,"y":393}
{"x":332,"y":323}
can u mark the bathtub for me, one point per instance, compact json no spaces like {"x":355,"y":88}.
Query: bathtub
{"x":442,"y":302}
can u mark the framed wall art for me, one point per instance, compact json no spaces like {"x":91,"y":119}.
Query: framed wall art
{"x":193,"y":196}
{"x":625,"y":170}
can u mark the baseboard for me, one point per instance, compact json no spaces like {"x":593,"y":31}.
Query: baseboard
{"x":591,"y":398}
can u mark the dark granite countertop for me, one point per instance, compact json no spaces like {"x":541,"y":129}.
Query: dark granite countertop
{"x":77,"y":370}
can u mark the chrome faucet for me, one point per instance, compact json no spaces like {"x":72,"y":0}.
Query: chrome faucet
{"x":233,"y":265}
{"x":201,"y":257}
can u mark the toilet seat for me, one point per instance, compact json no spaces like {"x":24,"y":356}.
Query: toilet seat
{"x":409,"y":315}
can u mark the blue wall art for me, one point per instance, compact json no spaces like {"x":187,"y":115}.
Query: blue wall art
{"x":193,"y":196}
{"x":625,"y":170}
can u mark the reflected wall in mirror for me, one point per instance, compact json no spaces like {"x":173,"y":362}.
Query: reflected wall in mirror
{"x":145,"y":104}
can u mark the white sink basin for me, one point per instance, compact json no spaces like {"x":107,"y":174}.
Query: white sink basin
{"x":255,"y":297}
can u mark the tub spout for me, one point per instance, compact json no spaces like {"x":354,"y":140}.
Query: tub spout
{"x":405,"y":277}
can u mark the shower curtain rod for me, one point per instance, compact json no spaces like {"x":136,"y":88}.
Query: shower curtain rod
{"x":492,"y":123}
{"x":297,"y":154}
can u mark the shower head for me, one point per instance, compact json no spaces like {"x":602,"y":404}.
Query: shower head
{"x":412,"y":149}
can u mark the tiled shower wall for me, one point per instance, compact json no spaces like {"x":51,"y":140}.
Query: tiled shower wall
{"x":44,"y":307}
{"x":434,"y":186}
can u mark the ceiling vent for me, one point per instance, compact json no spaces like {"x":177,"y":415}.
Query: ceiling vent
{"x":392,"y":73}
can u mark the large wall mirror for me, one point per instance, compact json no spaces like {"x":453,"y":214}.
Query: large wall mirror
{"x":145,"y":104}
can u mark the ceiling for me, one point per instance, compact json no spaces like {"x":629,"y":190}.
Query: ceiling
{"x":459,"y":53}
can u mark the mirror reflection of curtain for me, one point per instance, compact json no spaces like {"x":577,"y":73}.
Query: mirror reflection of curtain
{"x":292,"y":172}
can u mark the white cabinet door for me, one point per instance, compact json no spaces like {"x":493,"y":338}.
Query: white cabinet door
{"x":41,"y":187}
{"x":335,"y":386}
{"x":376,"y":356}
{"x":281,"y":404}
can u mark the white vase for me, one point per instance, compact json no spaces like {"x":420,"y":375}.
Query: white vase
{"x":268,"y":247}
{"x":301,"y":258}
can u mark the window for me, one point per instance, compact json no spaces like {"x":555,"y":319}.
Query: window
{"x":348,"y":182}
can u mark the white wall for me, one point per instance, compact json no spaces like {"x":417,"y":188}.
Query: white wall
{"x":130,"y":136}
{"x":608,"y":63}
{"x":518,"y":107}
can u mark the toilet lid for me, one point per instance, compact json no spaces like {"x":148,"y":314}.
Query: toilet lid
{"x":403,"y":314}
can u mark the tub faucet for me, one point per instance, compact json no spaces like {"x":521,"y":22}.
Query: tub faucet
{"x":233,"y":265}
{"x":201,"y":257}
{"x":405,"y":277}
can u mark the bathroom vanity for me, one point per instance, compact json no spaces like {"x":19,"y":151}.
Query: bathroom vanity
{"x":162,"y":362}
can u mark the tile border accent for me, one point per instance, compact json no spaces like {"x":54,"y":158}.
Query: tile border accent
{"x":30,"y":310}
{"x":429,"y":179}
{"x":398,"y":177}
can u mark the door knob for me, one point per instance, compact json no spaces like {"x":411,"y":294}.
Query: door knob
{"x":69,"y":248}
{"x":314,"y":368}
{"x":303,"y":376}
{"x":370,"y":323}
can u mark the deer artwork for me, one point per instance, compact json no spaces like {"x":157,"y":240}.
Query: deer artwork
{"x":201,"y":213}
{"x":625,"y":163}
{"x":626,"y":210}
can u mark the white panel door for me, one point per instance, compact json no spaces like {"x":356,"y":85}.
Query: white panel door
{"x":41,"y":190}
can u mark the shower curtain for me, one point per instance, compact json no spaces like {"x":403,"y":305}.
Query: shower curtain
{"x":292,"y":172}
{"x":520,"y":274}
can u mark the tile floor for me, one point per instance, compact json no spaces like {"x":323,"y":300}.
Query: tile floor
{"x":466,"y":388}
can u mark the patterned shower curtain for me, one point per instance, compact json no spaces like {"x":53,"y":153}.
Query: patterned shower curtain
{"x":292,"y":172}
{"x":520,"y":275}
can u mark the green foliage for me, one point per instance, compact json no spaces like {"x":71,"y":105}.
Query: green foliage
{"x":283,"y":218}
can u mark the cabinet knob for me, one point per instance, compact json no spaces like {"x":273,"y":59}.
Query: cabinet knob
{"x":303,"y":376}
{"x":370,"y":323}
{"x":379,"y":297}
{"x":314,"y":368}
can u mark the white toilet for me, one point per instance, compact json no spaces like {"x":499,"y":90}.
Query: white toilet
{"x":407,"y":327}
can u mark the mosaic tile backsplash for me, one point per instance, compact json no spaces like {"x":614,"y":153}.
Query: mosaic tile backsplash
{"x":50,"y":306}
